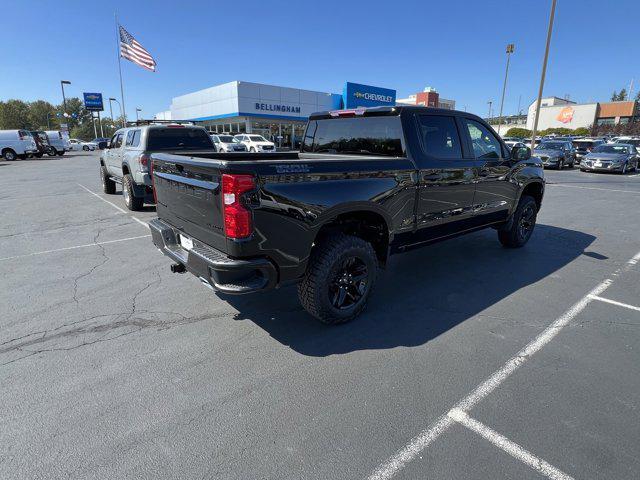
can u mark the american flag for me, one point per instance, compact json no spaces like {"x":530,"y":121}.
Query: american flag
{"x":132,"y":50}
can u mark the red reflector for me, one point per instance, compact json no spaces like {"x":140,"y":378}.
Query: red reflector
{"x":237,"y":218}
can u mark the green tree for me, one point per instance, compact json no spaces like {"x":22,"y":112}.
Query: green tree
{"x":518,"y":132}
{"x":42,"y":115}
{"x":582,"y":131}
{"x":14,"y":114}
{"x":614,"y":96}
{"x":622,"y":96}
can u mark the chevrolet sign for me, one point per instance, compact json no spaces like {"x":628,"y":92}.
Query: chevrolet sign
{"x":356,"y":95}
{"x":93,"y":101}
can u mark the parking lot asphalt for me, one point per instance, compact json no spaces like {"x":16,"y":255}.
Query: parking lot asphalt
{"x":471,"y":361}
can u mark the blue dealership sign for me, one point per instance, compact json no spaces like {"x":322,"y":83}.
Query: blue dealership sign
{"x":93,"y":101}
{"x":356,"y":95}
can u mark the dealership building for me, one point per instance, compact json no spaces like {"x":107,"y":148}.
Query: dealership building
{"x":558,"y":112}
{"x":277,"y":113}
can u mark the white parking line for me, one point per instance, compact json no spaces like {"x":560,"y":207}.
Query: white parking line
{"x":613,"y":302}
{"x":74,"y":247}
{"x":637,"y":192}
{"x":105,"y":201}
{"x":144,"y":224}
{"x":507,"y":445}
{"x":396,"y":462}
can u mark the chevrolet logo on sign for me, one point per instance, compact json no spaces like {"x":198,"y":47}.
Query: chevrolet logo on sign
{"x":374,"y":96}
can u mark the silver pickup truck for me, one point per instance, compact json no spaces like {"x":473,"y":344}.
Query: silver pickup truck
{"x":126,"y":159}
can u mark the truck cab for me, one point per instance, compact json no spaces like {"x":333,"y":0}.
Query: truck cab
{"x":125,"y":160}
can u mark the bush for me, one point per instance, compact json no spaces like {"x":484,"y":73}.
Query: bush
{"x":518,"y":132}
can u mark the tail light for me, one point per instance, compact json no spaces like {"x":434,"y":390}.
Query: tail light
{"x":153,"y":183}
{"x":144,"y":161}
{"x":237,"y":218}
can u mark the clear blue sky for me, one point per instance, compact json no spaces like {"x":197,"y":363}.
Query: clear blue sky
{"x":455,"y":46}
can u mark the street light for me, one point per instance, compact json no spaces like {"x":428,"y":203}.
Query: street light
{"x":544,"y":71}
{"x":64,"y":100}
{"x":121,"y":112}
{"x":504,"y":86}
{"x":137,"y":110}
{"x":490,"y":102}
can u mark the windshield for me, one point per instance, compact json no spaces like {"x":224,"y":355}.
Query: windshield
{"x":227,"y":139}
{"x":632,"y":141}
{"x":171,"y":138}
{"x":611,"y":149}
{"x":257,"y":138}
{"x":550,"y":146}
{"x":360,"y":136}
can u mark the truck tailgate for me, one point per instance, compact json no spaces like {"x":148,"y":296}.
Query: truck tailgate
{"x":188,"y":197}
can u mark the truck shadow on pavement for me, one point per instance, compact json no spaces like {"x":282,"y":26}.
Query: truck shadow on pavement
{"x":421,"y":294}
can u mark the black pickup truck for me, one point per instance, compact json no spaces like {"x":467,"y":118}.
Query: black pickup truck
{"x":366,"y":184}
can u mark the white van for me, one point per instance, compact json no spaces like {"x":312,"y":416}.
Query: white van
{"x":16,"y":144}
{"x":59,"y":142}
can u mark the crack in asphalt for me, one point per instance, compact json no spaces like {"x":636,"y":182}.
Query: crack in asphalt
{"x":105,"y":257}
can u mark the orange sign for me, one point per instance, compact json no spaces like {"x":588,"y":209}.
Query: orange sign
{"x":565,"y":115}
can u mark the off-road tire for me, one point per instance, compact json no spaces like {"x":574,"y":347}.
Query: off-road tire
{"x":131,"y":201}
{"x":515,"y":234}
{"x":9,"y":155}
{"x":52,"y":152}
{"x":326,"y":261}
{"x":108,"y":185}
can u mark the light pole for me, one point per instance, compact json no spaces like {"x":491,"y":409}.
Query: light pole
{"x":64,"y":100}
{"x":121,"y":112}
{"x":137,"y":110}
{"x":544,"y":71}
{"x":490,"y":102}
{"x":504,"y":86}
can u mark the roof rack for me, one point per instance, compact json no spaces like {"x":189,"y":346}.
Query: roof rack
{"x":139,"y":123}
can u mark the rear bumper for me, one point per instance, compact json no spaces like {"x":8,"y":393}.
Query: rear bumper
{"x":213,"y":267}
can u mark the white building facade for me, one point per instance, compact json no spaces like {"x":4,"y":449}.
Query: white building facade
{"x":277,"y":113}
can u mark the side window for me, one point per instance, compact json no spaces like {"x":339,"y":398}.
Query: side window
{"x":118,"y":142}
{"x":440,"y":137}
{"x":129,"y":137}
{"x":135,"y":141}
{"x":485,"y":144}
{"x":112,"y":142}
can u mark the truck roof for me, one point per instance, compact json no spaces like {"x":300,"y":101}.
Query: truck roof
{"x":391,"y":111}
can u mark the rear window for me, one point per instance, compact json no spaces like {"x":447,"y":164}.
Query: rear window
{"x":355,"y":136}
{"x":178,"y":139}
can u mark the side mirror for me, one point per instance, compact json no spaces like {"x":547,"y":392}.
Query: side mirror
{"x":520,"y":153}
{"x":108,"y":145}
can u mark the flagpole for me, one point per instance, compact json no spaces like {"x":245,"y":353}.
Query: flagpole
{"x":122,"y":108}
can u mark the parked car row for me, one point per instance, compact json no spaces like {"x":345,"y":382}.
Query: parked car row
{"x":592,"y":155}
{"x":243,"y":142}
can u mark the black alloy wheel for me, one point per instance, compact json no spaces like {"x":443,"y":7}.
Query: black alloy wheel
{"x":349,"y":283}
{"x":527,"y":221}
